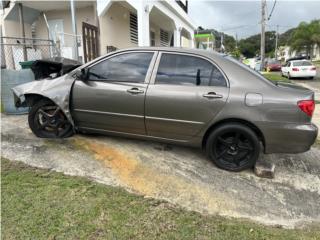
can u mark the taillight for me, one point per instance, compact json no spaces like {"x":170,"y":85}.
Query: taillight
{"x":307,"y":106}
{"x":295,"y":69}
{"x":313,"y":68}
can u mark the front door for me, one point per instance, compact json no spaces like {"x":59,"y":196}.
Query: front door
{"x":90,"y":39}
{"x":112,"y":99}
{"x":186,"y":94}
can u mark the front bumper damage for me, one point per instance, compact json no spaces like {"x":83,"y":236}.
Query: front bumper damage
{"x":57,"y":90}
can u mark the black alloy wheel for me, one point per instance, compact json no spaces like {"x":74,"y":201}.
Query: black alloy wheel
{"x":47,"y":120}
{"x":233,"y":147}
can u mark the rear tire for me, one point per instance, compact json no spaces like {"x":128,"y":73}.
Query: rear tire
{"x":233,"y":147}
{"x":46,"y":120}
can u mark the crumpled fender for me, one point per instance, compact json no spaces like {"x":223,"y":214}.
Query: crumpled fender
{"x":58,"y":90}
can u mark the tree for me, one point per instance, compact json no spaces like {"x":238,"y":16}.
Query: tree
{"x":250,"y":46}
{"x":236,"y":53}
{"x":305,"y":37}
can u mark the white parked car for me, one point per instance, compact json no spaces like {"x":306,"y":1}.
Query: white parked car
{"x":299,"y":68}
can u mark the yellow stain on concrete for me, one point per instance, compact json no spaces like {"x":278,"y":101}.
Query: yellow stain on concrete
{"x":149,"y":181}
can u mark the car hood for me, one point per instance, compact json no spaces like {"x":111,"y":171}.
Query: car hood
{"x":57,"y":90}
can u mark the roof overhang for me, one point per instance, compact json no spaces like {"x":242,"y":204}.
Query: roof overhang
{"x":29,"y":14}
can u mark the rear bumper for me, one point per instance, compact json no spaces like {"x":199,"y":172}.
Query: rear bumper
{"x":303,"y":74}
{"x":289,"y":138}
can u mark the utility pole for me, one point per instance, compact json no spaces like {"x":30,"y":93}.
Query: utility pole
{"x":236,"y":41}
{"x":221,"y":43}
{"x":276,"y":49}
{"x":263,"y":26}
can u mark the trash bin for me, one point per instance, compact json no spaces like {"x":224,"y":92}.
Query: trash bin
{"x":10,"y":79}
{"x":26,"y":64}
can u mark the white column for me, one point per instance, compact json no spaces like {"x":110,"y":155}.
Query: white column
{"x":143,"y":25}
{"x":192,"y":41}
{"x":177,"y":37}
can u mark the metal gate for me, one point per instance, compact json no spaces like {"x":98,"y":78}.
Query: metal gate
{"x":90,"y":37}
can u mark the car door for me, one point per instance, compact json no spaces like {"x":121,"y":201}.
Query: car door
{"x":287,"y":69}
{"x":112,"y":98}
{"x":186,"y":92}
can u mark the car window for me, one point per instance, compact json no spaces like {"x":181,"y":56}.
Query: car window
{"x":128,"y":67}
{"x":301,"y":63}
{"x":273,"y":62}
{"x":188,"y":70}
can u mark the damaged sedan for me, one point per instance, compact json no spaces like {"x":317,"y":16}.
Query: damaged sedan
{"x":190,"y":97}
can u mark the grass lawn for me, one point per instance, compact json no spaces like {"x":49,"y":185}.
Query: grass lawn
{"x":275,"y":77}
{"x":316,"y":63}
{"x":39,"y":204}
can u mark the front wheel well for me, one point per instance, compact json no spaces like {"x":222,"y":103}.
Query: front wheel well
{"x":31,"y":99}
{"x":233,"y":120}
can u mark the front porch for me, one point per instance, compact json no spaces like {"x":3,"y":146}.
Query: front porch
{"x":36,"y":30}
{"x":48,"y":31}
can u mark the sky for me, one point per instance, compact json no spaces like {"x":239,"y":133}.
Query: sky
{"x":241,"y":18}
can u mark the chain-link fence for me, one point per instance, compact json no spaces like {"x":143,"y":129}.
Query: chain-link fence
{"x":15,"y":50}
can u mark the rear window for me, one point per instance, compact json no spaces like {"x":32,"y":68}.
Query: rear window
{"x":256,"y":73}
{"x":301,"y":63}
{"x":273,"y":62}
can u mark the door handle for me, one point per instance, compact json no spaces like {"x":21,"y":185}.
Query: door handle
{"x":212,"y":95}
{"x":135,"y":90}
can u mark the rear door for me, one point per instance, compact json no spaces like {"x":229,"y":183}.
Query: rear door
{"x":112,"y":99}
{"x":185,"y":93}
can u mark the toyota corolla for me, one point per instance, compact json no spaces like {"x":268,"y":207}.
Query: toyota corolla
{"x":191,"y":97}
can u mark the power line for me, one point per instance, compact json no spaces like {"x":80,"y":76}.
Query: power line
{"x":274,"y":4}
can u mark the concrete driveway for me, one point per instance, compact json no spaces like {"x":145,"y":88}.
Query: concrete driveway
{"x":182,"y":176}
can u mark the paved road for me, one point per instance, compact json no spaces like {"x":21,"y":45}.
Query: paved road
{"x":182,"y":176}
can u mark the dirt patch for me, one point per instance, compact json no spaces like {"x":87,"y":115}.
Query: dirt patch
{"x":150,"y":182}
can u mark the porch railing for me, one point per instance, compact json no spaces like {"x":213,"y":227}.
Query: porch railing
{"x":15,"y":50}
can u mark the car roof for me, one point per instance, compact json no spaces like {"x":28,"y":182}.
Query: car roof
{"x":302,"y":60}
{"x":202,"y":52}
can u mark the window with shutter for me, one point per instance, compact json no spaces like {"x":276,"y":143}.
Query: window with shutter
{"x":133,"y":28}
{"x":164,"y":38}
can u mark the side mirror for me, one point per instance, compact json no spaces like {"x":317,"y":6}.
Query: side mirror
{"x":82,"y":74}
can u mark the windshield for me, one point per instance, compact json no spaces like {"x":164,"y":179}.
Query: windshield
{"x":273,"y":62}
{"x":302,"y":63}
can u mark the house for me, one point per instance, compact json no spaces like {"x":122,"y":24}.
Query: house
{"x":284,"y":53}
{"x":205,"y":39}
{"x":55,"y":28}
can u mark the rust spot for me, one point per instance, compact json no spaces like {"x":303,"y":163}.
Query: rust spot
{"x":147,"y":180}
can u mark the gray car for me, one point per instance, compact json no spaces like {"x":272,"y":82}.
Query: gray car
{"x":184,"y":96}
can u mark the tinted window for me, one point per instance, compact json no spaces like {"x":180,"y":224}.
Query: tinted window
{"x":301,"y":63}
{"x":273,"y":62}
{"x":128,"y":67}
{"x":187,"y":70}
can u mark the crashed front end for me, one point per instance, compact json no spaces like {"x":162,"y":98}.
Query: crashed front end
{"x":58,"y":89}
